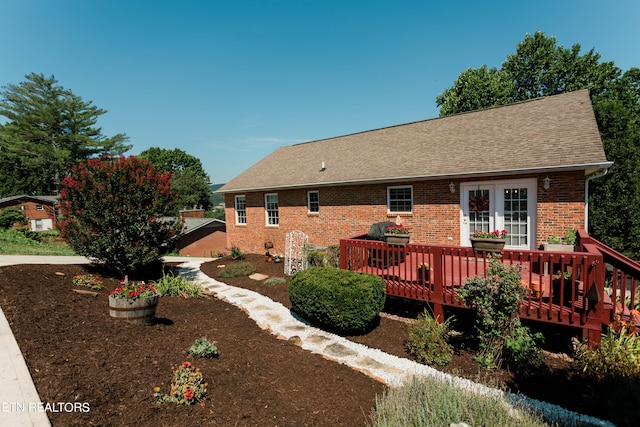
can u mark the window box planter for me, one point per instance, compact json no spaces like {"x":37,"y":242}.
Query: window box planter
{"x":480,"y":244}
{"x":396,"y":239}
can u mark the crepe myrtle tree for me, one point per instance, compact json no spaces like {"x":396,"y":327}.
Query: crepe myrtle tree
{"x":114,"y":213}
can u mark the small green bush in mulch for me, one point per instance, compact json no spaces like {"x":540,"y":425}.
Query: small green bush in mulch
{"x":428,"y":340}
{"x":340,"y":300}
{"x":275,"y":281}
{"x":177,"y":286}
{"x":237,"y":269}
{"x":203,"y":348}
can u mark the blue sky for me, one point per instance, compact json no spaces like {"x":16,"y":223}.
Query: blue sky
{"x":230,"y":81}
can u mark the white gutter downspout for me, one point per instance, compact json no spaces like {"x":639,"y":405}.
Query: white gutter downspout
{"x":594,"y":175}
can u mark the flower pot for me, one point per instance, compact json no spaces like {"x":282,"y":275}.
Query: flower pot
{"x":487,"y":244}
{"x":423,"y":275}
{"x":396,"y":239}
{"x":138,"y":310}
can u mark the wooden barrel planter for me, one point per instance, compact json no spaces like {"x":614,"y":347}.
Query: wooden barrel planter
{"x":138,"y":310}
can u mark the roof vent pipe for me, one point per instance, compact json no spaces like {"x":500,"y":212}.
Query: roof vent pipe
{"x":594,"y":175}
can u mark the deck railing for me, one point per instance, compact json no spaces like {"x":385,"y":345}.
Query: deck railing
{"x":621,"y":279}
{"x":563,"y":287}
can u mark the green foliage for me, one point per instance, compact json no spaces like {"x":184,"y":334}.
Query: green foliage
{"x":88,"y":281}
{"x":430,"y":402}
{"x":329,"y":257}
{"x":187,"y":386}
{"x":48,"y":130}
{"x":522,"y":351}
{"x":341,"y":300}
{"x":173,"y":285}
{"x":113,"y":213}
{"x":237,"y":269}
{"x":540,"y":67}
{"x":275,"y":281}
{"x":188,"y":178}
{"x":428,"y":340}
{"x":553,"y":239}
{"x":11,"y":216}
{"x":203,"y":348}
{"x":237,"y":254}
{"x":15,"y":242}
{"x":618,"y":355}
{"x":614,"y":368}
{"x":570,"y":237}
{"x":496,"y":299}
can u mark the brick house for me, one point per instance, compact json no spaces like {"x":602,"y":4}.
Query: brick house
{"x":40,"y":211}
{"x":523,"y":167}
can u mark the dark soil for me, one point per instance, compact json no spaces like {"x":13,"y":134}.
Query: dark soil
{"x":77,"y":353}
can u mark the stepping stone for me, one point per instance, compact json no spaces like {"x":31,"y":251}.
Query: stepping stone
{"x":258,"y":276}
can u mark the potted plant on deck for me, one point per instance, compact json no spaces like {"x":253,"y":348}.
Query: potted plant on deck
{"x":397,"y":235}
{"x":133,"y":302}
{"x":488,"y":241}
{"x":557,"y":244}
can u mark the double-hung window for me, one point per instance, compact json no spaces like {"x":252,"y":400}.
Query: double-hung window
{"x":271,"y":208}
{"x":241,"y":209}
{"x":313,"y":201}
{"x":400,"y":199}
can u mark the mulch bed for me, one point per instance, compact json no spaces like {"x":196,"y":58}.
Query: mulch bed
{"x":77,"y":353}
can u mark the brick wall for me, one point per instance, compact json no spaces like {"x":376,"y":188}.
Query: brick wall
{"x":351,"y":210}
{"x":208,"y":246}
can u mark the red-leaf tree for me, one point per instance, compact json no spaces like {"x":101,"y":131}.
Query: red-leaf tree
{"x":114,"y":213}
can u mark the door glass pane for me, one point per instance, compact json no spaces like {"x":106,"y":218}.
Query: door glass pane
{"x":516,"y":216}
{"x":479,"y":214}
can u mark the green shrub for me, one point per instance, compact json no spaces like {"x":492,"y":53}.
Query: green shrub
{"x":177,"y":286}
{"x":316,"y":258}
{"x":522,"y":353}
{"x":237,"y":254}
{"x":237,"y":269}
{"x":341,"y":300}
{"x":496,"y":299}
{"x":428,"y":340}
{"x":430,"y":402}
{"x":10,"y":216}
{"x":618,"y":355}
{"x":203,"y":348}
{"x":329,"y":257}
{"x":275,"y":281}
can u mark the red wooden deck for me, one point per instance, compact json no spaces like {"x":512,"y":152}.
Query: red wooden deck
{"x":559,"y":300}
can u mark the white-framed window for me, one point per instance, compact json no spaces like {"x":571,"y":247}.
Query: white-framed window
{"x":241,"y":209}
{"x":39,"y":207}
{"x":498,"y":205}
{"x":313,"y":201}
{"x":400,"y":199}
{"x":271,"y":208}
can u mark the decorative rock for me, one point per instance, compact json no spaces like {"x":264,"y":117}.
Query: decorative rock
{"x":258,"y":276}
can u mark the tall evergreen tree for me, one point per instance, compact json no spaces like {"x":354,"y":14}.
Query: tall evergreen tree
{"x":542,"y":68}
{"x":48,"y":130}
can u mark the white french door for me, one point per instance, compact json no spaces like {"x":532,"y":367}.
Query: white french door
{"x":499,"y":205}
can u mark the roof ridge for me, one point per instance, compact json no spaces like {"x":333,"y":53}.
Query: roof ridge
{"x":495,"y":107}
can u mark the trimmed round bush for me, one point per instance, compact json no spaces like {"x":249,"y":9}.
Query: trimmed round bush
{"x":339,"y":300}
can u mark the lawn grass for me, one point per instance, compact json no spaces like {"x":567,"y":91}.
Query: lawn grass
{"x":14,"y":242}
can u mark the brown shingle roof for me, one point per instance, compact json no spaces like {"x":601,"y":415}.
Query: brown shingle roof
{"x":552,"y":133}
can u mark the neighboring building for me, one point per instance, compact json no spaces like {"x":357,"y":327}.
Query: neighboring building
{"x":201,"y":237}
{"x":40,"y":211}
{"x":523,"y":167}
